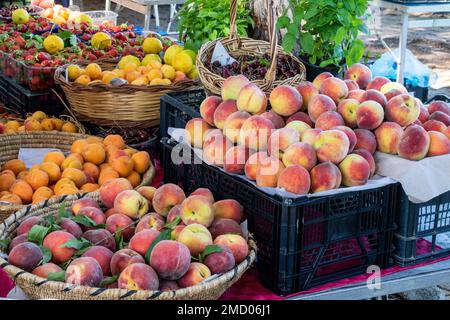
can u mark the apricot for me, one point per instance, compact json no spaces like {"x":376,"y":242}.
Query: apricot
{"x":11,"y":198}
{"x":41,"y":194}
{"x":53,"y":171}
{"x":115,"y":140}
{"x":37,"y":178}
{"x":123,"y":166}
{"x":107,"y":175}
{"x":22,"y":189}
{"x":6,"y":181}
{"x":94,"y":153}
{"x":92,"y":169}
{"x":71,"y":162}
{"x":141,"y":161}
{"x":76,"y":175}
{"x":25,"y":256}
{"x":89,"y":187}
{"x":78,"y":146}
{"x":14,"y":165}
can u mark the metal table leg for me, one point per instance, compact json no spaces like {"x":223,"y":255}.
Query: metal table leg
{"x":108,"y":5}
{"x":148,"y":17}
{"x":156,"y":10}
{"x":402,"y":46}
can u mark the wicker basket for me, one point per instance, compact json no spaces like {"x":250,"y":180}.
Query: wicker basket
{"x":10,"y":145}
{"x":124,"y":106}
{"x":237,"y":46}
{"x":40,"y":288}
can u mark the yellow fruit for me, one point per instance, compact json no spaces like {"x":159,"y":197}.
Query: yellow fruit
{"x":101,"y":40}
{"x":12,"y":124}
{"x":130,"y":67}
{"x":57,"y":124}
{"x":183,"y":62}
{"x":119,"y":73}
{"x":152,"y":45}
{"x":133,"y":75}
{"x":168,"y":72}
{"x":150,"y":57}
{"x":59,"y":20}
{"x":192,"y":54}
{"x":108,"y":76}
{"x":94,"y":71}
{"x":20,"y":16}
{"x":69,"y":127}
{"x":166,"y":81}
{"x":157,"y":81}
{"x":74,"y":71}
{"x":53,"y":44}
{"x":83,"y":79}
{"x":39,"y":115}
{"x":139,"y":82}
{"x":193,"y":74}
{"x":154,"y":74}
{"x":171,"y":52}
{"x":127,"y":59}
{"x":142,"y":70}
{"x":83,"y":18}
{"x":154,"y":65}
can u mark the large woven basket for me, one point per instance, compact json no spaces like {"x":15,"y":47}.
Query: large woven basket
{"x":124,"y":106}
{"x":10,"y":145}
{"x":237,"y":46}
{"x":39,"y":288}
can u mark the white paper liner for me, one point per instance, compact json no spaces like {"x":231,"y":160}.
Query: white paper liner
{"x":33,"y":156}
{"x":221,"y":54}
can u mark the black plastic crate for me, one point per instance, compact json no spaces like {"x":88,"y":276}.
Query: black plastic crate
{"x":303,"y":242}
{"x":441,"y":97}
{"x":25,"y":101}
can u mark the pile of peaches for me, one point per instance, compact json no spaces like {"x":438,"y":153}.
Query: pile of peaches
{"x":38,"y":121}
{"x":149,"y":239}
{"x":91,"y":163}
{"x":316,"y":136}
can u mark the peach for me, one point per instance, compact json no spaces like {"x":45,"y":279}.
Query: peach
{"x":26,"y":256}
{"x":71,"y":227}
{"x":402,"y":109}
{"x":374,"y":95}
{"x":101,"y":237}
{"x":393,"y":86}
{"x":328,"y":120}
{"x":331,"y":145}
{"x":215,"y":148}
{"x":392,"y":94}
{"x":197,"y":209}
{"x":131,"y":203}
{"x":360,"y":73}
{"x":350,"y":135}
{"x":365,"y":139}
{"x":319,"y":104}
{"x":196,"y":129}
{"x":71,"y":162}
{"x":18,"y":240}
{"x":294,"y":179}
{"x":203,"y":192}
{"x":300,"y":153}
{"x":196,"y":237}
{"x":280,"y":140}
{"x":176,"y":231}
{"x":355,"y":170}
{"x":27,"y":224}
{"x":414,"y":143}
{"x":369,"y":115}
{"x":252,"y":164}
{"x":166,"y":197}
{"x":285,"y":100}
{"x":277,"y":121}
{"x":317,"y":82}
{"x":123,"y":258}
{"x":325,"y":176}
{"x":93,"y":213}
{"x":300,"y":116}
{"x":138,"y":276}
{"x":440,"y":116}
{"x":298,"y":126}
{"x":377,"y":82}
{"x":307,"y":91}
{"x":235,"y":159}
{"x":434,"y":125}
{"x":439,"y":106}
{"x":44,"y":270}
{"x":211,"y":133}
{"x":151,"y":221}
{"x":84,"y":271}
{"x":251,"y":99}
{"x":103,"y":256}
{"x":86,"y":202}
{"x":447,"y":132}
{"x":423,"y":115}
{"x":255,"y":133}
{"x":236,"y":243}
{"x":121,"y":222}
{"x":351,"y":84}
{"x":175,"y":212}
{"x":167,"y":285}
{"x":229,"y":209}
{"x":335,"y":88}
{"x":309,"y":136}
{"x":356,"y":95}
{"x":224,"y":226}
{"x":268,"y":172}
{"x":220,"y":262}
{"x":388,"y":137}
{"x":233,"y":124}
{"x":232,"y":86}
{"x":54,"y":242}
{"x":208,"y":107}
{"x":147,"y":192}
{"x":196,"y":273}
{"x":170,"y":259}
{"x":142,"y":240}
{"x":369,"y":158}
{"x":115,"y":140}
{"x":110,"y":189}
{"x":439,"y":144}
{"x":223,"y":111}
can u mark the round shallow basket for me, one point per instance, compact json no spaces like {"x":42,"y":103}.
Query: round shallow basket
{"x":10,"y":144}
{"x":237,"y":47}
{"x":124,"y":106}
{"x":39,"y":288}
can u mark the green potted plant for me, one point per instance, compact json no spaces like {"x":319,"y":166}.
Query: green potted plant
{"x":324,"y":33}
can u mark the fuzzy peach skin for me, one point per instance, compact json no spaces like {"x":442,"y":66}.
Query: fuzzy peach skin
{"x":280,"y":140}
{"x":328,"y":120}
{"x":123,"y":258}
{"x":170,"y":259}
{"x":351,"y":84}
{"x":208,"y":107}
{"x":176,"y":231}
{"x":255,"y":133}
{"x":233,"y":124}
{"x":168,"y":285}
{"x":78,"y":204}
{"x":388,"y":137}
{"x":277,"y":120}
{"x":71,"y":227}
{"x":142,"y":240}
{"x":197,"y":209}
{"x":174,"y":213}
{"x":166,"y":197}
{"x":424,"y":114}
{"x":103,"y":256}
{"x":439,"y":106}
{"x":294,"y":179}
{"x":374,"y":95}
{"x":310,"y":136}
{"x":447,"y":132}
{"x":356,"y":95}
{"x":251,"y":99}
{"x":350,"y":135}
{"x":298,"y":126}
{"x":138,"y":276}
{"x":414,"y":143}
{"x":365,"y":139}
{"x":360,"y":73}
{"x":232,"y":86}
{"x":235,"y":159}
{"x":300,"y":153}
{"x":229,"y":209}
{"x":331,"y":145}
{"x":202,"y":192}
{"x":100,"y":237}
{"x":319,"y":104}
{"x":369,"y":115}
{"x":355,"y":170}
{"x":196,"y":129}
{"x":110,"y":189}
{"x":94,"y":213}
{"x":439,"y":144}
{"x":27,"y":224}
{"x":393,"y":86}
{"x":18,"y":240}
{"x":252,"y":164}
{"x":222,"y":226}
{"x":196,"y":273}
{"x":317,"y":82}
{"x":44,"y":270}
{"x":325,"y":176}
{"x":440,"y":116}
{"x":285,"y":100}
{"x":84,"y":271}
{"x":54,"y":240}
{"x":26,"y":256}
{"x":301,"y":116}
{"x":119,"y":221}
{"x":220,"y":262}
{"x":392,"y":94}
{"x":215,"y":148}
{"x":335,"y":88}
{"x":147,"y":192}
{"x":236,"y":244}
{"x":131,"y":203}
{"x":434,"y":125}
{"x":151,"y":220}
{"x":369,"y":158}
{"x":377,"y":82}
{"x":403,"y":110}
{"x":196,"y":237}
{"x":223,"y":111}
{"x":307,"y":90}
{"x":268,"y":172}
